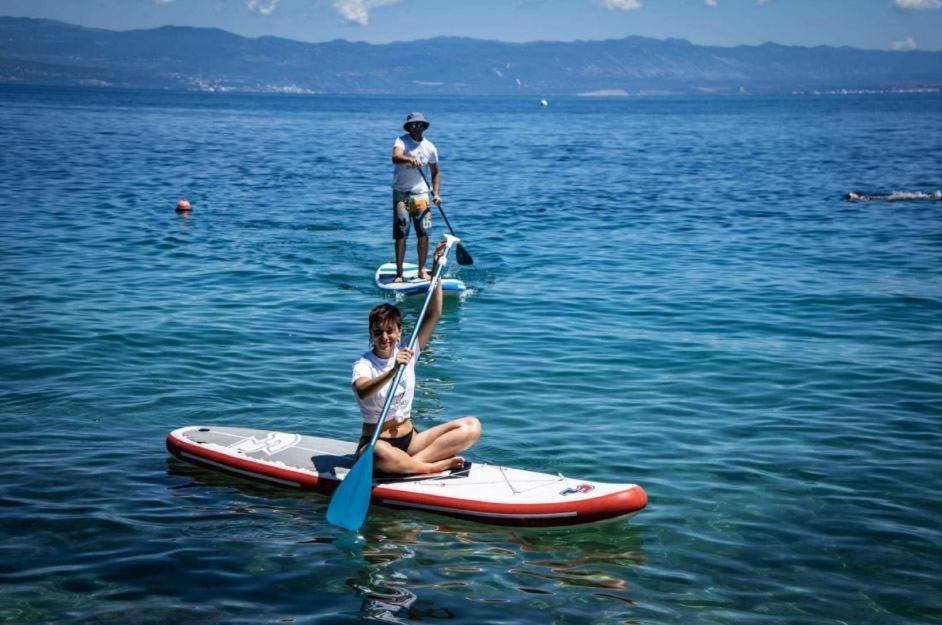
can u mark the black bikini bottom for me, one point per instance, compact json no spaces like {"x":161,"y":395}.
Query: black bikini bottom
{"x":400,"y":442}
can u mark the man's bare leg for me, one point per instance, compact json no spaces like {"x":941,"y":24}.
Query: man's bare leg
{"x":400,"y":257}
{"x":422,"y":251}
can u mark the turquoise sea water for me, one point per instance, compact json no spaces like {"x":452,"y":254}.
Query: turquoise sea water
{"x":670,"y":292}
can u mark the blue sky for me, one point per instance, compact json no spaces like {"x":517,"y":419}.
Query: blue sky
{"x":876,"y":24}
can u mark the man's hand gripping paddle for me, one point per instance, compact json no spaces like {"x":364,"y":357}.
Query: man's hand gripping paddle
{"x":351,"y":501}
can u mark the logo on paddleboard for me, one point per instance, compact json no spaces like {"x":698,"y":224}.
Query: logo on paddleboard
{"x":270,"y":445}
{"x":581,"y":488}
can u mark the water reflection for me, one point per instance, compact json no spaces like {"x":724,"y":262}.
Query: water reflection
{"x":415,"y":567}
{"x":406,"y":566}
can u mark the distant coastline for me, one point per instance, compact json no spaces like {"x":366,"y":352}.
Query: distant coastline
{"x":47,"y":52}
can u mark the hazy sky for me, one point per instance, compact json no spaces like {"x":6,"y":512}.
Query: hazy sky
{"x":878,"y":24}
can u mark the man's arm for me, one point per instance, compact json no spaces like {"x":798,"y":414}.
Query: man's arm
{"x":399,"y":157}
{"x":436,"y":181}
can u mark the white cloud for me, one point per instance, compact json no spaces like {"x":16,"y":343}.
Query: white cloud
{"x":763,"y":1}
{"x":918,"y":5}
{"x":161,"y":2}
{"x":262,"y":7}
{"x":358,"y":11}
{"x":710,"y":3}
{"x":905,"y":44}
{"x":621,"y":5}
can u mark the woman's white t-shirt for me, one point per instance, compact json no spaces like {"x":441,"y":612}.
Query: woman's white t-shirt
{"x":369,"y":365}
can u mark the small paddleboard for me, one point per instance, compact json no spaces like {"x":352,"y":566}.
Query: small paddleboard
{"x":479,"y":492}
{"x":411,"y":284}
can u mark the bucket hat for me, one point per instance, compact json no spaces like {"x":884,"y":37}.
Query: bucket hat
{"x":415,"y":117}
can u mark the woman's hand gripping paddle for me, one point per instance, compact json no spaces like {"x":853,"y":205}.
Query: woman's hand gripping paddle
{"x":461,"y":254}
{"x":351,"y":501}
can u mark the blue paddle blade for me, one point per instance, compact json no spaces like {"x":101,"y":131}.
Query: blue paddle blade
{"x":351,"y":500}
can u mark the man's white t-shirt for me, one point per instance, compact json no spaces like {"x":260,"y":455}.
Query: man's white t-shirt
{"x":407,"y":178}
{"x":369,"y":365}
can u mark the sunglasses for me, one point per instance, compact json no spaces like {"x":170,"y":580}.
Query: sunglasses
{"x":415,"y":125}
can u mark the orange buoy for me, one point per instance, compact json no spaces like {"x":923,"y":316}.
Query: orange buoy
{"x":183,"y":206}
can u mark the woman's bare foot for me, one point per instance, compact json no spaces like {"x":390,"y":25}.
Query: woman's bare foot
{"x":447,"y":464}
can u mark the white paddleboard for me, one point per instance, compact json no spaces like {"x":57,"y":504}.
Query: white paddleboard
{"x":479,"y":492}
{"x":411,"y":284}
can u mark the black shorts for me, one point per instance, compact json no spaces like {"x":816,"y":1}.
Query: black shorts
{"x":406,"y":212}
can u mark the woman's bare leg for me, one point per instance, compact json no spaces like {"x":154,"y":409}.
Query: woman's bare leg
{"x":443,"y":442}
{"x":389,"y":459}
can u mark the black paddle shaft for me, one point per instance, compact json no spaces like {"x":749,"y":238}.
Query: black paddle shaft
{"x":461,"y":254}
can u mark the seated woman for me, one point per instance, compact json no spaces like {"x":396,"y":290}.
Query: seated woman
{"x":402,"y":448}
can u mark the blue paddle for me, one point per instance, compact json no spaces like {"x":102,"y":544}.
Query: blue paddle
{"x":461,"y":254}
{"x":351,"y":501}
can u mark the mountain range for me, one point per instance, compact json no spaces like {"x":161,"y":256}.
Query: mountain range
{"x":47,"y":52}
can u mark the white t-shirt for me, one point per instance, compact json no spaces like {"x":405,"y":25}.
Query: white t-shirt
{"x":369,"y":365}
{"x":407,"y":178}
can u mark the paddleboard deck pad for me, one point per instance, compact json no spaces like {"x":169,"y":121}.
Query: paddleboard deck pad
{"x":479,"y":492}
{"x":411,"y":284}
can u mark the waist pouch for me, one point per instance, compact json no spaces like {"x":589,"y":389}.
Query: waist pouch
{"x":418,"y":203}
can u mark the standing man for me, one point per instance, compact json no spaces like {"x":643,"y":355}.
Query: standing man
{"x":410,"y":153}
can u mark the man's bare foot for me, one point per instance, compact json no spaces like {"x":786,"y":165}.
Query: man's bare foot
{"x":398,"y":279}
{"x":447,"y":464}
{"x":424,"y":275}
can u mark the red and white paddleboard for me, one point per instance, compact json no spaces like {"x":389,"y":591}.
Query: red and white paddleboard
{"x":480,"y":492}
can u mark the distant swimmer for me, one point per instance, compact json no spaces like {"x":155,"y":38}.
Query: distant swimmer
{"x":893,"y":197}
